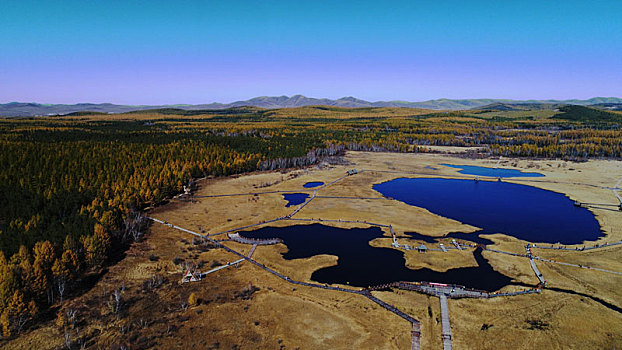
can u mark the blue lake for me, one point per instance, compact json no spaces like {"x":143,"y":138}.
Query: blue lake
{"x":312,"y":184}
{"x":525,"y":212}
{"x":494,"y":172}
{"x":295,"y":198}
{"x":362,"y":265}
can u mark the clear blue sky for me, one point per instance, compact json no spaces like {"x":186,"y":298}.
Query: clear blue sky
{"x":157,"y":52}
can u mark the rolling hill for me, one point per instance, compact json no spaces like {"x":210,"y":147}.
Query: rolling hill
{"x":37,"y":109}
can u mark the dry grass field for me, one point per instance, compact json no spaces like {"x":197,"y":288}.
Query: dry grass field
{"x":244,"y":307}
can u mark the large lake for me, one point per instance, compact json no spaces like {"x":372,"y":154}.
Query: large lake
{"x":521,"y":211}
{"x":362,"y":265}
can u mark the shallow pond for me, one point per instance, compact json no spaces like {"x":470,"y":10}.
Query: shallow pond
{"x":312,"y":184}
{"x":525,"y":212}
{"x":295,"y":198}
{"x":494,"y":172}
{"x":362,"y":265}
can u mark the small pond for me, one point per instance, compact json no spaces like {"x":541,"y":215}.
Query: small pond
{"x":362,"y":265}
{"x":312,"y":184}
{"x":494,"y":172}
{"x":295,"y":198}
{"x":521,"y":211}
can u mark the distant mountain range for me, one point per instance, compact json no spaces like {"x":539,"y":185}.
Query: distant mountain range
{"x":37,"y":109}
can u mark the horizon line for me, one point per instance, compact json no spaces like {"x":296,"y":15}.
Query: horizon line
{"x":316,"y":98}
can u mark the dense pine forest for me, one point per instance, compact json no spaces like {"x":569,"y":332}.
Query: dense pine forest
{"x":72,"y":188}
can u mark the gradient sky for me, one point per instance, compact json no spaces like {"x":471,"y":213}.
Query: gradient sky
{"x":168,"y":52}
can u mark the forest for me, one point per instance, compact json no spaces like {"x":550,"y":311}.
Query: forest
{"x":72,"y":188}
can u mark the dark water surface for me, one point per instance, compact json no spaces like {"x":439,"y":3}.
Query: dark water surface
{"x":295,"y":198}
{"x":471,"y":237}
{"x":312,"y":184}
{"x":362,"y":265}
{"x":525,"y":212}
{"x":495,"y":172}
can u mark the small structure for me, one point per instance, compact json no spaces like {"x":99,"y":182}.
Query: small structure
{"x":191,"y":276}
{"x":352,"y":172}
{"x":453,"y":241}
{"x":422,"y":249}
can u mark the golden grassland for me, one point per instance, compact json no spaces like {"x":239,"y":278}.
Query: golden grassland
{"x":279,"y":315}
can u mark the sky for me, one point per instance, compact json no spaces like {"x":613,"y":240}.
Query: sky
{"x":191,"y":52}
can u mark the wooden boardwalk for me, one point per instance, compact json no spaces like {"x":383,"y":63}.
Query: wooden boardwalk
{"x":203,"y":274}
{"x":415,"y":333}
{"x":533,"y":265}
{"x":577,"y":265}
{"x":415,"y":343}
{"x":339,"y":220}
{"x":302,"y":205}
{"x":245,"y":240}
{"x":243,"y":227}
{"x":446,"y":326}
{"x":584,"y":248}
{"x":250,"y":254}
{"x":346,"y":197}
{"x":451,"y":291}
{"x":537,"y":272}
